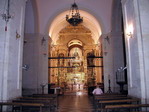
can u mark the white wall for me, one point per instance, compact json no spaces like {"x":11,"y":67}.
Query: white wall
{"x":33,"y":54}
{"x":113,"y":51}
{"x":144,"y":38}
{"x":11,"y":51}
{"x":34,"y":57}
{"x":2,"y":49}
{"x":132,"y":50}
{"x":136,"y":13}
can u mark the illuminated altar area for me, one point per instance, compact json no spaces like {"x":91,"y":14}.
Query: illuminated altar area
{"x":75,"y":58}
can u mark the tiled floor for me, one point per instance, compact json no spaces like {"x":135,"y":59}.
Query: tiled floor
{"x":75,"y":102}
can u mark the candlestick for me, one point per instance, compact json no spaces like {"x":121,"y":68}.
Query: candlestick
{"x":109,"y":90}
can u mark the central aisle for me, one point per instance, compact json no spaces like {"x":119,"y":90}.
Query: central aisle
{"x":78,"y":102}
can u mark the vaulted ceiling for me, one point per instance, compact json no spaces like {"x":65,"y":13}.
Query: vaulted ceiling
{"x":49,"y":16}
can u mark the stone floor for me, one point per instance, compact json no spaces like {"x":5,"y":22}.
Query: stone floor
{"x":75,"y":102}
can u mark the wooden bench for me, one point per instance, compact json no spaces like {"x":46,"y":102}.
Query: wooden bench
{"x":120,"y":101}
{"x":47,"y":101}
{"x":33,"y":98}
{"x":40,"y":105}
{"x":45,"y":95}
{"x":109,"y":95}
{"x":96,"y":98}
{"x":125,"y":106}
{"x":54,"y":96}
{"x":109,"y":98}
{"x":112,"y":98}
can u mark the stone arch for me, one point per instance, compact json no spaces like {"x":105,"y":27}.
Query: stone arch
{"x":91,"y":20}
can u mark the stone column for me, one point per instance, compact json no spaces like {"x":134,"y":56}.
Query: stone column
{"x":11,"y":42}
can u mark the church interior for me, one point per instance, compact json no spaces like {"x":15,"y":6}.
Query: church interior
{"x":65,"y":48}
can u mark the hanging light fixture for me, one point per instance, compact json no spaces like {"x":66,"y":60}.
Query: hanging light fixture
{"x":6,"y":16}
{"x":74,"y":17}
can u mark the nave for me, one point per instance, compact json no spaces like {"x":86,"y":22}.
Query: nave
{"x":75,"y":101}
{"x":39,"y":48}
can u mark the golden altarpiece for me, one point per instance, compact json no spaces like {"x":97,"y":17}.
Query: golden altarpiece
{"x":75,"y":58}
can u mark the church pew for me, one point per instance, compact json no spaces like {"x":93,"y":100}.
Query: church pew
{"x":109,"y":97}
{"x":96,"y":97}
{"x":35,"y":98}
{"x":125,"y":106}
{"x":54,"y":96}
{"x":112,"y":98}
{"x":102,"y":96}
{"x":51,"y":101}
{"x":110,"y":94}
{"x":45,"y":102}
{"x":45,"y":95}
{"x":119,"y":101}
{"x":13,"y":104}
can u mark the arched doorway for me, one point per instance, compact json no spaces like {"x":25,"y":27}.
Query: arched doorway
{"x":74,"y":55}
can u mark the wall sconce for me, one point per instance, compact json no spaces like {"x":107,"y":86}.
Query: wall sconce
{"x":129,"y":34}
{"x":6,"y":16}
{"x":17,"y":35}
{"x":129,"y":30}
{"x":121,"y":69}
{"x":25,"y":67}
{"x":43,"y":40}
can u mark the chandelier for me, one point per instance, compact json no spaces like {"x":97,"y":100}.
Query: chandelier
{"x":74,"y":17}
